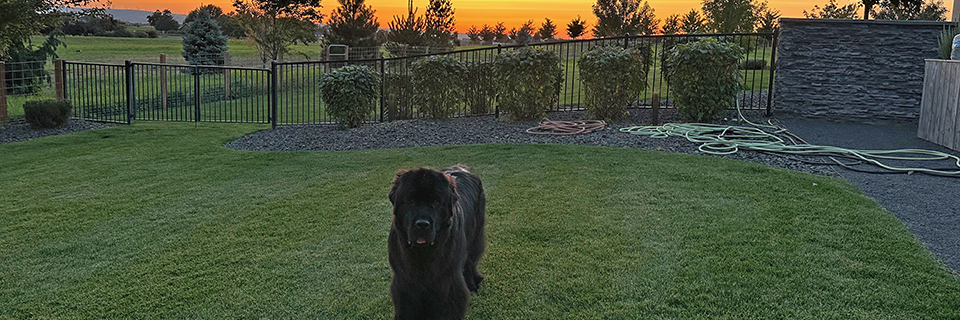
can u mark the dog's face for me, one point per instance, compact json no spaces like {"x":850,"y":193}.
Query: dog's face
{"x":422,"y":205}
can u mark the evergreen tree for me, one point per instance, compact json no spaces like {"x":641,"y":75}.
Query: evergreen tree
{"x":440,"y":24}
{"x":353,"y":24}
{"x":487,"y":35}
{"x":547,"y":30}
{"x":576,"y":27}
{"x":623,"y":18}
{"x":203,"y":43}
{"x":474,"y":34}
{"x":500,"y":33}
{"x":671,"y":25}
{"x":692,"y":22}
{"x":407,"y":30}
{"x":524,"y":35}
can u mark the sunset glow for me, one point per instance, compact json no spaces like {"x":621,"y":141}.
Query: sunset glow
{"x":479,"y":12}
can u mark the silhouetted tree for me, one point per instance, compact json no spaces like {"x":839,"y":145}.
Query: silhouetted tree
{"x":576,"y":27}
{"x":353,"y":24}
{"x":623,"y":18}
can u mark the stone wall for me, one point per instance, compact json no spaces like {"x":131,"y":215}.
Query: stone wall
{"x":853,"y":70}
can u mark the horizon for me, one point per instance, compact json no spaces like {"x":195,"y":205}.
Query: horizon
{"x":512,"y":13}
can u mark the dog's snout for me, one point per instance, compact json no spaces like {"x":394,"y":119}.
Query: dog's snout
{"x":422,"y":224}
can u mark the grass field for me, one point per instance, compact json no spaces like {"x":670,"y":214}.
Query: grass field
{"x":158,"y":220}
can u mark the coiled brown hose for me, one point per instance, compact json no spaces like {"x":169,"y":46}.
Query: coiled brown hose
{"x":564,"y":128}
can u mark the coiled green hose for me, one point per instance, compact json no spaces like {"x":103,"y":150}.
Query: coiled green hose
{"x":724,"y":139}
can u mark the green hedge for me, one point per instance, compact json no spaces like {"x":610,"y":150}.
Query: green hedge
{"x":612,"y":77}
{"x":528,"y":82}
{"x":350,"y":94}
{"x":436,"y":83}
{"x":703,"y":78}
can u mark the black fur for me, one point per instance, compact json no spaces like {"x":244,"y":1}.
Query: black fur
{"x":435,"y":242}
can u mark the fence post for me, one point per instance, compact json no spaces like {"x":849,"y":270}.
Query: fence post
{"x":626,"y":42}
{"x":163,"y":80}
{"x":131,"y":105}
{"x":773,"y":68}
{"x":496,"y":105}
{"x":58,"y":79}
{"x":273,"y":94}
{"x":4,"y":117}
{"x":226,"y":76}
{"x":655,"y":110}
{"x":383,"y":84}
{"x":196,"y":94}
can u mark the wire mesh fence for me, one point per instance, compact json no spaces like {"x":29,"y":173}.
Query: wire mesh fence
{"x":288,"y":92}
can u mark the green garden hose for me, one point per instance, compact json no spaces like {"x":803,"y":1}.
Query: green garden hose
{"x":724,"y":139}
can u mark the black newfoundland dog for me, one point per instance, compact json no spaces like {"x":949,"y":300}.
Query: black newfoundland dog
{"x":435,"y":242}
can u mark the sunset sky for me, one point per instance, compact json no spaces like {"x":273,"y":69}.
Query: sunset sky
{"x":479,"y":12}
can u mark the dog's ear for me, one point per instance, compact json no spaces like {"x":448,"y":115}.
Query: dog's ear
{"x":394,"y":192}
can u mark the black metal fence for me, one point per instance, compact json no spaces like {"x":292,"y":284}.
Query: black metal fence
{"x":289,"y":93}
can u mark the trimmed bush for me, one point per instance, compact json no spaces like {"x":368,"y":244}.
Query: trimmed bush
{"x":612,"y":77}
{"x":436,"y":83}
{"x":528,"y":82}
{"x":43,"y":114}
{"x":753,"y":65}
{"x":703,"y":78}
{"x":350,"y":94}
{"x":479,"y":87}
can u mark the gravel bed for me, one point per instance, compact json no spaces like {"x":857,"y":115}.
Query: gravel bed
{"x":487,"y":129}
{"x":21,"y":131}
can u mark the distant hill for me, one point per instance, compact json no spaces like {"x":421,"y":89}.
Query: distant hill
{"x":133,"y":16}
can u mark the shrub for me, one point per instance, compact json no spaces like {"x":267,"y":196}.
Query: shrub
{"x":759,"y":64}
{"x":398,"y":95}
{"x":350,"y":94}
{"x":612,"y":77}
{"x":528,"y":82}
{"x":436,"y":83}
{"x":203,"y":42}
{"x":946,"y":40}
{"x":703,"y":78}
{"x":42,"y":114}
{"x":479,"y":87}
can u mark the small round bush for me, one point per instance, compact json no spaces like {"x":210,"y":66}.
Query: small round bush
{"x":43,"y":114}
{"x":528,"y":82}
{"x":703,"y":78}
{"x":350,"y":94}
{"x":436,"y":83}
{"x":612,"y":77}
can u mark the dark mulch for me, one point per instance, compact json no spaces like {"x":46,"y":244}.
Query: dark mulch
{"x":487,"y":129}
{"x":20,"y":130}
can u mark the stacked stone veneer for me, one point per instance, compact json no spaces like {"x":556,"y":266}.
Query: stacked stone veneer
{"x":853,"y":70}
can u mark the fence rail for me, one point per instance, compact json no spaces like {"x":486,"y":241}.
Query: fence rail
{"x":288,"y":92}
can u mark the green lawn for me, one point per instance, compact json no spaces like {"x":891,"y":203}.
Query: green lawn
{"x":158,"y":220}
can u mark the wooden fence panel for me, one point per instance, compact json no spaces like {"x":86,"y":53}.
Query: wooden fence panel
{"x":940,"y":107}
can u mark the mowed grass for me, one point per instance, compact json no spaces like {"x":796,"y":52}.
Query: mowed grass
{"x":158,"y":220}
